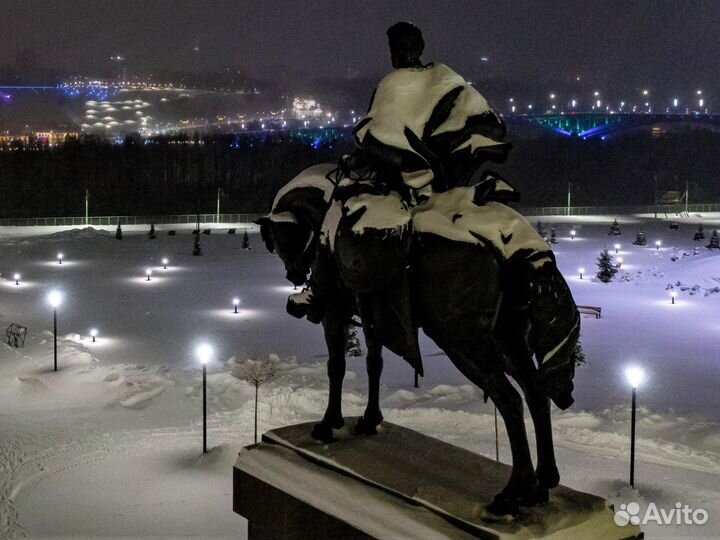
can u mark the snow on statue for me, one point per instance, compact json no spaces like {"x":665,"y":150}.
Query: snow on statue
{"x":403,"y":236}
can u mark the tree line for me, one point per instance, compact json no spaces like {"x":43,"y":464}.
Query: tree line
{"x":178,"y":175}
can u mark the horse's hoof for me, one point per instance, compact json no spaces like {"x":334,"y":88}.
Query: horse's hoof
{"x":503,"y":505}
{"x":548,"y":477}
{"x":364,"y":427}
{"x":323,"y":432}
{"x":509,"y":503}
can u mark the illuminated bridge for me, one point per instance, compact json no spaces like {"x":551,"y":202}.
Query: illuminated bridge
{"x":602,"y":125}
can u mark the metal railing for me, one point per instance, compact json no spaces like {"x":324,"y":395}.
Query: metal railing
{"x":660,"y":210}
{"x":131,"y":220}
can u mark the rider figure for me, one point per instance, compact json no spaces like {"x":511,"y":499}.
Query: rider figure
{"x":426,"y":130}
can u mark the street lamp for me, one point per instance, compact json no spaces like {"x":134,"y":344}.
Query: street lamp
{"x":165,"y":263}
{"x":658,"y":243}
{"x":60,"y":258}
{"x":581,"y":271}
{"x":617,"y":247}
{"x":54,"y":299}
{"x":16,"y":277}
{"x":635,"y":377}
{"x":204,"y":352}
{"x":93,"y":333}
{"x":148,"y":272}
{"x":673,"y":294}
{"x":572,"y":234}
{"x":236,"y":303}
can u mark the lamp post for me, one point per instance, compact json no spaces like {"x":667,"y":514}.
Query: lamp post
{"x":581,"y":271}
{"x":165,"y":263}
{"x":54,"y":299}
{"x":635,"y":376}
{"x":204,"y":352}
{"x":572,"y":234}
{"x":16,"y":277}
{"x":673,"y":294}
{"x":236,"y":303}
{"x":94,"y":334}
{"x":617,"y":247}
{"x":60,"y":258}
{"x":148,"y":272}
{"x":658,"y":243}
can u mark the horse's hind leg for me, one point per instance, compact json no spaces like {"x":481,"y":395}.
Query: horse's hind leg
{"x":522,"y":487}
{"x":539,"y":405}
{"x":335,"y":325}
{"x":372,"y":417}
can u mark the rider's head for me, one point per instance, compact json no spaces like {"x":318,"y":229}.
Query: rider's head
{"x":406,"y":45}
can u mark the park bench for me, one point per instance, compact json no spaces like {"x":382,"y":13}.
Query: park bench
{"x":591,"y":310}
{"x":15,"y":334}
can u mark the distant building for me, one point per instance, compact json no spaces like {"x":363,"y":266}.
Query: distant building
{"x":306,"y":109}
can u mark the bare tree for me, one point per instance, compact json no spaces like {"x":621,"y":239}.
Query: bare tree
{"x":256,"y":371}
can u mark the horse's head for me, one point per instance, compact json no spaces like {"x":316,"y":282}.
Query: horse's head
{"x":292,"y":227}
{"x":293,"y":241}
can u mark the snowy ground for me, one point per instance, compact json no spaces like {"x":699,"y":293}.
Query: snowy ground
{"x":110,"y":445}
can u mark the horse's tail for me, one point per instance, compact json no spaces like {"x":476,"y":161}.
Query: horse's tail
{"x":554,"y":323}
{"x":554,"y":333}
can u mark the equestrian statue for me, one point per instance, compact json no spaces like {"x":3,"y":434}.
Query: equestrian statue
{"x":405,"y":234}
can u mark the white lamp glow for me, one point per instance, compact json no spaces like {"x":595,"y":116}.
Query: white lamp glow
{"x":148,"y":272}
{"x":581,"y":271}
{"x":16,"y":277}
{"x":165,"y":263}
{"x":60,"y":258}
{"x":236,"y":303}
{"x":658,"y":243}
{"x":54,"y":298}
{"x":204,"y":352}
{"x":617,"y":247}
{"x":673,"y":294}
{"x":93,"y":334}
{"x":635,"y":376}
{"x":572,"y":234}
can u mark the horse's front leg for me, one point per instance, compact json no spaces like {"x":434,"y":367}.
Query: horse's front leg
{"x":372,"y":417}
{"x":335,"y":326}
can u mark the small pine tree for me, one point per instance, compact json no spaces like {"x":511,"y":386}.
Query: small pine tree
{"x":714,"y":241}
{"x":151,"y":234}
{"x":700,"y":234}
{"x":614,"y":229}
{"x":578,"y":355}
{"x":118,"y":232}
{"x":352,"y":344}
{"x":553,"y":237}
{"x":540,"y":228}
{"x":640,"y":239}
{"x":606,"y":271}
{"x":246,"y":241}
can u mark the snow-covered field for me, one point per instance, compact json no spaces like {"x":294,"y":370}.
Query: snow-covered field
{"x":111,"y":445}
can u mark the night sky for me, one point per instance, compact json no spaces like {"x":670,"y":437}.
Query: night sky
{"x":651,"y":41}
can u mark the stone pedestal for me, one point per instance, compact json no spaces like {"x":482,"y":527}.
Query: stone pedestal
{"x":398,"y":484}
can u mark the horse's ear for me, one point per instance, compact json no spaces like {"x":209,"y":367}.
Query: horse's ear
{"x":265,"y":233}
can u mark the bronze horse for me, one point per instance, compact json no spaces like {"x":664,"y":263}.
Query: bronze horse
{"x":489,"y":315}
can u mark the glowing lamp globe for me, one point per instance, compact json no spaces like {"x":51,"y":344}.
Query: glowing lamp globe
{"x":635,"y":376}
{"x":60,"y":258}
{"x":572,"y":234}
{"x":165,"y":263}
{"x":204,"y":352}
{"x":236,"y":303}
{"x":148,"y":272}
{"x":617,"y":247}
{"x":93,"y":334}
{"x":16,"y":277}
{"x":54,"y":299}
